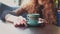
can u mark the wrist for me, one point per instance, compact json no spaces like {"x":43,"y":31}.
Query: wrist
{"x":11,"y":18}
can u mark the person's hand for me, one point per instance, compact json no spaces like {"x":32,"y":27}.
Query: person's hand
{"x":40,"y":20}
{"x":20,"y":21}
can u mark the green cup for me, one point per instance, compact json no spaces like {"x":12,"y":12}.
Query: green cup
{"x":33,"y":19}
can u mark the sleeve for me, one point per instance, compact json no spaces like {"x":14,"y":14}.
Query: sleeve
{"x":6,"y":12}
{"x":16,"y":12}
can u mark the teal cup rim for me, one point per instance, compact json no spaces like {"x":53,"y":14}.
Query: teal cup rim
{"x":33,"y":14}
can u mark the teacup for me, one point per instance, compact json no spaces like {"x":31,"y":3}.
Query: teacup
{"x":33,"y":19}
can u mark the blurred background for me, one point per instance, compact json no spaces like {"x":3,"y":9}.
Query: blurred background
{"x":11,"y":2}
{"x":10,"y":5}
{"x":15,"y":3}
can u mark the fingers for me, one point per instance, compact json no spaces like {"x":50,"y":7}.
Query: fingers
{"x":25,"y":24}
{"x":21,"y":21}
{"x":40,"y":20}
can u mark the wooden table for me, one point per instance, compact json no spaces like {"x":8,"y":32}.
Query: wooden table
{"x":7,"y":28}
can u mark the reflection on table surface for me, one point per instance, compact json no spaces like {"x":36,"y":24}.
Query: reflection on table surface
{"x":7,"y":28}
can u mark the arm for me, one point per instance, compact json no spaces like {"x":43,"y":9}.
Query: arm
{"x":17,"y":21}
{"x":12,"y":18}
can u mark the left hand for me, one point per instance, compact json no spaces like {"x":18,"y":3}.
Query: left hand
{"x":20,"y":21}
